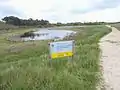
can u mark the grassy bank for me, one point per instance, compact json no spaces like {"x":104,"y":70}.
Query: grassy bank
{"x":25,"y":65}
{"x":117,"y":25}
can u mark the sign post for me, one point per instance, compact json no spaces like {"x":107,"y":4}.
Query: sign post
{"x":61,"y":49}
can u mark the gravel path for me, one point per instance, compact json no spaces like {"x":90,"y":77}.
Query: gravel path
{"x":110,"y":59}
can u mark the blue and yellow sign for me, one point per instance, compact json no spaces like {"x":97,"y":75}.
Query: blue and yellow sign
{"x":61,"y":49}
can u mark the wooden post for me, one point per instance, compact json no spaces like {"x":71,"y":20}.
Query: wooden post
{"x":73,"y":49}
{"x":50,"y":59}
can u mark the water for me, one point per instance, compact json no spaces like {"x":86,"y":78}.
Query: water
{"x":47,"y":34}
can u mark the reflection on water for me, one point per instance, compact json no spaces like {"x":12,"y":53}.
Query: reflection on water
{"x":49,"y":34}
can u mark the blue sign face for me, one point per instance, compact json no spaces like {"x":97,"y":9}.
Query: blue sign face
{"x":61,"y":48}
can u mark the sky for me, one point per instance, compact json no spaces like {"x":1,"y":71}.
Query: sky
{"x":62,"y":10}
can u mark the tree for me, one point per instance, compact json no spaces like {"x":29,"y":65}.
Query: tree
{"x":25,"y":22}
{"x":59,"y":24}
{"x":12,"y":20}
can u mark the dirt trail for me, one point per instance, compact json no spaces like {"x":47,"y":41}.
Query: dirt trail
{"x":110,"y":59}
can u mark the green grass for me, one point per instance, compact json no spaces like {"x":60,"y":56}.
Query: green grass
{"x":116,"y":26}
{"x":26,"y":65}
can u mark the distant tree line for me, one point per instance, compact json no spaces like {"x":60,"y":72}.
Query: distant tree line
{"x":85,"y":23}
{"x":45,"y":23}
{"x":25,"y":22}
{"x":80,"y":23}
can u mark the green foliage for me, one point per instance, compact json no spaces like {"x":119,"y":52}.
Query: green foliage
{"x":24,"y":22}
{"x":85,"y":23}
{"x":30,"y":68}
{"x":12,"y":20}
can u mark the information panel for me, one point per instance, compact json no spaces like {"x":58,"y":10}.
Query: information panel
{"x":61,"y":49}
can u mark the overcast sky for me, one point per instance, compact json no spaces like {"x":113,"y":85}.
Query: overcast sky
{"x":62,"y":10}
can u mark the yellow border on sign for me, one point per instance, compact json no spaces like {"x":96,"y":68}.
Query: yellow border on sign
{"x":61,"y":54}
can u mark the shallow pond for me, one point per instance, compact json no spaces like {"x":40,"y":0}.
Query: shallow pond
{"x":46,"y":34}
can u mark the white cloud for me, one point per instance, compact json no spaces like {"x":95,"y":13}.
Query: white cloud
{"x":108,"y":15}
{"x":67,"y":10}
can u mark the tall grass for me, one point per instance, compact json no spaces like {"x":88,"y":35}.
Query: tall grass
{"x":31,"y":69}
